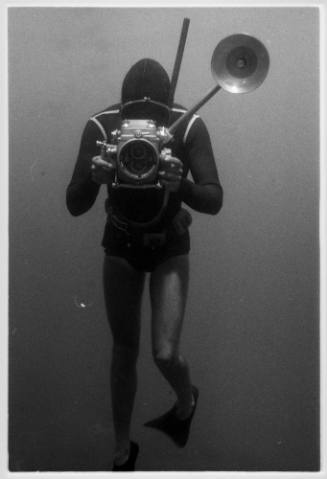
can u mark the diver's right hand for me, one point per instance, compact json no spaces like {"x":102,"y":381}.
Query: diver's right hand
{"x":102,"y":171}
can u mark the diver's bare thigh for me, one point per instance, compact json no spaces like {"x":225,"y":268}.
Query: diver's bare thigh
{"x":123,"y":288}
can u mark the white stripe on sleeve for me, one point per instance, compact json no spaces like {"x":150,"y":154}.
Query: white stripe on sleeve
{"x":103,"y":131}
{"x":190,"y":123}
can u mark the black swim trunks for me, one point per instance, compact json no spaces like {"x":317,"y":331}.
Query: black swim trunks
{"x":143,"y":250}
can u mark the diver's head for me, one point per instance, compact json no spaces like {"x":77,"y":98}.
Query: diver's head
{"x":145,"y":92}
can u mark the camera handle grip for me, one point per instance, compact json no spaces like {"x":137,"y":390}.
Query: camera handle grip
{"x":106,"y":148}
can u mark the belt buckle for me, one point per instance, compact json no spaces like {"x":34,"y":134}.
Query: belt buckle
{"x":154,"y":240}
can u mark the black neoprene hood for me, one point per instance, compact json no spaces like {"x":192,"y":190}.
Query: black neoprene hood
{"x":147,"y":81}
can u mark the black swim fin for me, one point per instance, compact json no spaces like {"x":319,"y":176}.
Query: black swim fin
{"x":177,"y":429}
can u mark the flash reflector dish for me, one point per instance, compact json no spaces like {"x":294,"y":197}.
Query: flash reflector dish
{"x":240,"y":63}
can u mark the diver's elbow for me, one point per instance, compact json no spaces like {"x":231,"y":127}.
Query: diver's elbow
{"x":217,"y":202}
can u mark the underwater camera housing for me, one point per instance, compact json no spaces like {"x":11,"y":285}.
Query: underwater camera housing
{"x":135,"y":150}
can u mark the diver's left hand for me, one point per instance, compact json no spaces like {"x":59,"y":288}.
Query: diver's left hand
{"x":171,"y":170}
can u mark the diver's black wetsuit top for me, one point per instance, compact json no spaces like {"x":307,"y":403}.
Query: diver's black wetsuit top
{"x":191,"y":144}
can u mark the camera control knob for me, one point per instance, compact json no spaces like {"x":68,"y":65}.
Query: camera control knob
{"x":111,"y":149}
{"x":164,"y":135}
{"x":115,"y":135}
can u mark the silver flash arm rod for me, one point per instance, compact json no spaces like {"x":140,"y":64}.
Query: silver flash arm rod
{"x":239,"y":64}
{"x":195,"y":108}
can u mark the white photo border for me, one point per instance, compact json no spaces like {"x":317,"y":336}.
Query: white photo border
{"x":4,"y":207}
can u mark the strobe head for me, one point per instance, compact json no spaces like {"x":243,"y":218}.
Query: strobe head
{"x":240,"y":63}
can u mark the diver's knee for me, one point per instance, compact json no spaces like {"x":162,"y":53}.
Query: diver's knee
{"x":165,"y":357}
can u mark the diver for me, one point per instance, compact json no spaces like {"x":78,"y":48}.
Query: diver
{"x":134,"y":244}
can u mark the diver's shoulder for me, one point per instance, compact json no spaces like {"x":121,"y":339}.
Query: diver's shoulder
{"x":191,"y":122}
{"x":106,"y":120}
{"x":178,"y":110}
{"x":112,"y":110}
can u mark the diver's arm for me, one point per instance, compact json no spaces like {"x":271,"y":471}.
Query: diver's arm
{"x":82,"y":191}
{"x":205,"y":193}
{"x":205,"y":198}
